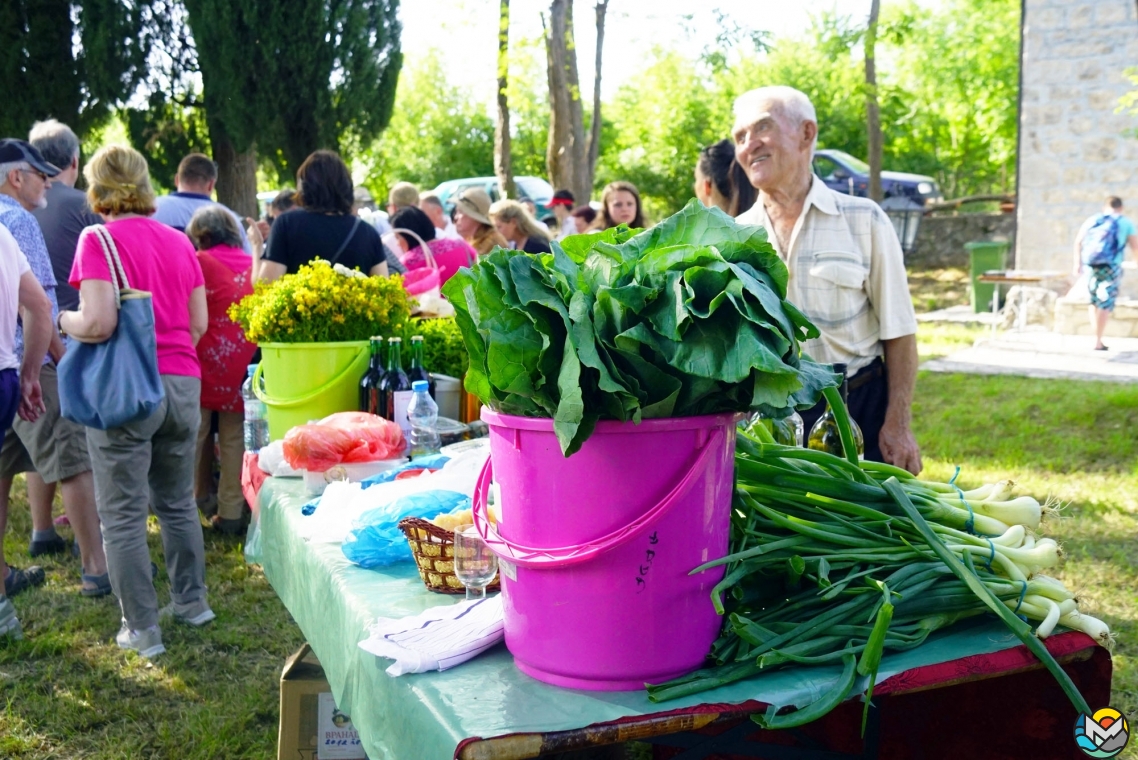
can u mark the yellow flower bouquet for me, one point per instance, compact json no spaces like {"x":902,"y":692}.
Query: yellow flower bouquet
{"x":322,"y":304}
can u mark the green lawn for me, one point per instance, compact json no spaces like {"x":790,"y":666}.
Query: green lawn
{"x":70,"y":693}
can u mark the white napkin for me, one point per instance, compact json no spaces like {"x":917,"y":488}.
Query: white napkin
{"x":438,"y":638}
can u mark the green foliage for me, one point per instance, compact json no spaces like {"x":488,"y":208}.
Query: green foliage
{"x":957,"y":86}
{"x":440,"y":131}
{"x":437,"y":132}
{"x":165,"y":132}
{"x":685,"y":319}
{"x":659,"y":122}
{"x":43,"y":73}
{"x":443,"y":350}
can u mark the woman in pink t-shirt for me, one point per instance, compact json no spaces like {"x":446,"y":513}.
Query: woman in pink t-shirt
{"x":149,"y":463}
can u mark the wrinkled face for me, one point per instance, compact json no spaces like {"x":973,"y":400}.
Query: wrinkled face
{"x":622,"y":207}
{"x":773,"y":150}
{"x":31,"y":187}
{"x":466,"y":226}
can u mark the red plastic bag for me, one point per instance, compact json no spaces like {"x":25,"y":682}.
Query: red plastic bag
{"x":340,"y":438}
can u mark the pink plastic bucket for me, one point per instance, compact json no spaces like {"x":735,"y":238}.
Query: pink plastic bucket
{"x":595,"y":550}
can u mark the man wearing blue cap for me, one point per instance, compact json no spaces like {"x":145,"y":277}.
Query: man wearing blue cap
{"x":53,"y":446}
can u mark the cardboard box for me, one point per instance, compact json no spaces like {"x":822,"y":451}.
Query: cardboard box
{"x":311,"y":727}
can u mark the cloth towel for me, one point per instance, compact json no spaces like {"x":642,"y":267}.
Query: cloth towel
{"x":438,"y":638}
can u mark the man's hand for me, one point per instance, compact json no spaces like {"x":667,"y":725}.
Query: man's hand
{"x":896,"y":441}
{"x":31,"y":398}
{"x":898,"y":446}
{"x":257,"y":231}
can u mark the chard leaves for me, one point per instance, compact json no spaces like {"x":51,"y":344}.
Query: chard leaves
{"x":687,"y":318}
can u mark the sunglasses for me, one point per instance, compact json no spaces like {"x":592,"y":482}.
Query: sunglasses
{"x":36,"y":172}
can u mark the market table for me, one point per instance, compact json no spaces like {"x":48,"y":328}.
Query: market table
{"x":487,"y":709}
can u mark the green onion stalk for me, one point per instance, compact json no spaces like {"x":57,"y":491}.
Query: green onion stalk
{"x":836,"y":561}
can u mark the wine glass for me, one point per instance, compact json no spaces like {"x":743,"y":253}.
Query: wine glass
{"x":474,"y":564}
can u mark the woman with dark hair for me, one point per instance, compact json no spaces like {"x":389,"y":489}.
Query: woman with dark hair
{"x":720,"y":181}
{"x":413,"y":228}
{"x":322,"y":226}
{"x":620,"y":204}
{"x":224,"y":354}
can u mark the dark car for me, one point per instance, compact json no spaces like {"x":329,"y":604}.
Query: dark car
{"x":846,"y":174}
{"x":533,"y":188}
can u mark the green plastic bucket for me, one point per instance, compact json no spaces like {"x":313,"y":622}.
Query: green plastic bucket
{"x":984,"y":256}
{"x":309,"y":381}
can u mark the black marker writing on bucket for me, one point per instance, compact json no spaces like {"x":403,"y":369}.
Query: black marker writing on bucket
{"x":649,"y":556}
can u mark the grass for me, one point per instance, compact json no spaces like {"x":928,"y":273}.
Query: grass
{"x":68,"y":692}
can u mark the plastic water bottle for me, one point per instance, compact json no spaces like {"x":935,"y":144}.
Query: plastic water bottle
{"x":423,"y":414}
{"x":256,"y":420}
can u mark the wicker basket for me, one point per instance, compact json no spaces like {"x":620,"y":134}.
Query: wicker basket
{"x":433,"y":548}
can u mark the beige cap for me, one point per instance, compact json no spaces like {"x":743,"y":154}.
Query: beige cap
{"x":403,"y":194}
{"x":475,"y":203}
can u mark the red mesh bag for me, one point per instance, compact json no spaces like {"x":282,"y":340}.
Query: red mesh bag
{"x":342,"y":438}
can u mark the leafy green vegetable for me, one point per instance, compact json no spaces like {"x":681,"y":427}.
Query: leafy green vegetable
{"x":685,"y":319}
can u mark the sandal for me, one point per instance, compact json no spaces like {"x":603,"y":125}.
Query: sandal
{"x":21,"y":580}
{"x":227,"y":526}
{"x":102,"y":585}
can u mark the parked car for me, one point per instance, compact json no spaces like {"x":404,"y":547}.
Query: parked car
{"x":534,"y":188}
{"x":846,"y":174}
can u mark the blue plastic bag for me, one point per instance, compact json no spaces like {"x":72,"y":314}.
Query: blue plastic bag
{"x":377,"y":540}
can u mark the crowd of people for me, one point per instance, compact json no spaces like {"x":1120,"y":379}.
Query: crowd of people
{"x":196,"y":258}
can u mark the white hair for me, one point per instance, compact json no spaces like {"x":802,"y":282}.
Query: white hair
{"x":9,"y":167}
{"x":55,"y":141}
{"x":794,"y":103}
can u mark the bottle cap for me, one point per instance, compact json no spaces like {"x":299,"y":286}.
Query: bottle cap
{"x":420,"y":385}
{"x":394,"y":340}
{"x":416,"y":337}
{"x":250,"y":370}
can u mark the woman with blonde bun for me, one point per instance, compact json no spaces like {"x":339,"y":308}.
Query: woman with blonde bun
{"x":148,"y":464}
{"x":515,"y":223}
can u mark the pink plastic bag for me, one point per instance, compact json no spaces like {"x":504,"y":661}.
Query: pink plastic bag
{"x":341,"y":438}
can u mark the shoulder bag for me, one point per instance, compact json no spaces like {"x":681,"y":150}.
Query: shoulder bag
{"x":111,"y":384}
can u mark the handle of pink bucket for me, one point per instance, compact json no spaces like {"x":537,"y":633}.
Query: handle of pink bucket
{"x":565,"y":556}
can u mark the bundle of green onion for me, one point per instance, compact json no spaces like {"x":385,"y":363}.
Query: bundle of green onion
{"x":835,"y":561}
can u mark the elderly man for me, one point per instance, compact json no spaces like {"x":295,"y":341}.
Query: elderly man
{"x":195,"y":180}
{"x":52,"y":446}
{"x":847,"y":273}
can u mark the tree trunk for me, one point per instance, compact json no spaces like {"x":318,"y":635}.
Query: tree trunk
{"x":567,"y":156}
{"x":236,"y":173}
{"x":502,"y":163}
{"x":595,"y":130}
{"x":872,"y":111}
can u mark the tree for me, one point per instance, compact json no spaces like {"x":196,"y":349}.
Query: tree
{"x":502,"y":164}
{"x":281,"y":78}
{"x":595,"y":129}
{"x":872,"y":111}
{"x":567,"y":155}
{"x":44,"y":73}
{"x":438,"y":132}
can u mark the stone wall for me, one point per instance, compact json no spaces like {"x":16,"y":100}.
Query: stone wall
{"x":1074,"y":150}
{"x":941,"y":239}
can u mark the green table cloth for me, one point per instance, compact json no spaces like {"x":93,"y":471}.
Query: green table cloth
{"x":424,"y":716}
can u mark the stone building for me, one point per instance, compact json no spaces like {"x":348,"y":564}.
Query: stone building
{"x":1075,"y":149}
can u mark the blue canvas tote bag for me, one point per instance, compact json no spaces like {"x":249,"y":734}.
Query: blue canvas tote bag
{"x":110,"y":384}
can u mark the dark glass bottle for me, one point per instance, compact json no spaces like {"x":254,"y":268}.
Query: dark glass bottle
{"x":417,"y":370}
{"x":395,"y":387}
{"x":369,"y":383}
{"x":824,"y":436}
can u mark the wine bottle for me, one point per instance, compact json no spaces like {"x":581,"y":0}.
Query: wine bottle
{"x":418,"y":371}
{"x":824,"y":436}
{"x":395,"y":388}
{"x":369,"y":383}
